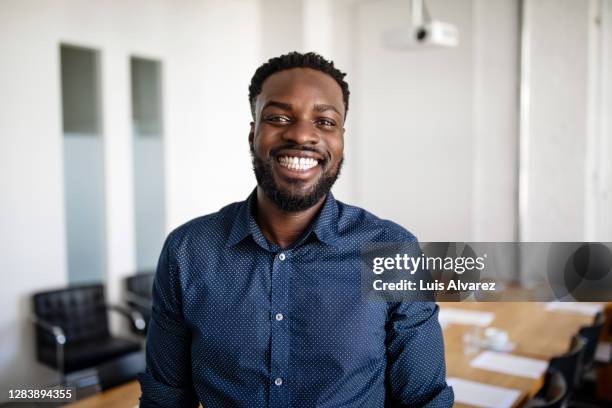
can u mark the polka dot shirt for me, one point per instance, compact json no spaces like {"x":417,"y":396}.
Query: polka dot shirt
{"x":240,"y":322}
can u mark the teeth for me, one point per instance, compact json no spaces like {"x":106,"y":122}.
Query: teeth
{"x":297,"y":163}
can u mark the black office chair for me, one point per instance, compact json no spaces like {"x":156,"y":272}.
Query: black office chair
{"x":591,"y":335}
{"x":72,"y":331}
{"x":139,"y":296}
{"x":569,"y":364}
{"x":553,"y":394}
{"x":585,"y":394}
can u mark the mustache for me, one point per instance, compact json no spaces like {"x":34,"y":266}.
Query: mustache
{"x":326,"y":156}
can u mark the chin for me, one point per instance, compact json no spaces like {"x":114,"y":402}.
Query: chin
{"x":296,"y":187}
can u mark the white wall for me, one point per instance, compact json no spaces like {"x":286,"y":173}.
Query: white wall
{"x":565,"y":178}
{"x":208,"y":50}
{"x":605,"y":190}
{"x":282,"y":27}
{"x":434,"y":135}
{"x":556,"y":59}
{"x":434,"y":131}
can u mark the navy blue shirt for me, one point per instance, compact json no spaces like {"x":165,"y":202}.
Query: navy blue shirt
{"x":240,"y":322}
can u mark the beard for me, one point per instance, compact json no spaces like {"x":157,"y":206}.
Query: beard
{"x":289,"y":201}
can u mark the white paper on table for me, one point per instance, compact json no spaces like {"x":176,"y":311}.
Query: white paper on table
{"x":510,"y":364}
{"x":588,"y":309}
{"x":603,"y":352}
{"x":469,"y":317}
{"x":482,"y":395}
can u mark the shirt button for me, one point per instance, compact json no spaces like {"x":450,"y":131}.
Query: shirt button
{"x":279,"y":316}
{"x":281,"y":256}
{"x":278,"y":381}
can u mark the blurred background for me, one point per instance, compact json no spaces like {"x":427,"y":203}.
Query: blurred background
{"x":120,"y":121}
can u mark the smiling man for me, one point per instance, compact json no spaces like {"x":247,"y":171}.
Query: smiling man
{"x":259,"y":304}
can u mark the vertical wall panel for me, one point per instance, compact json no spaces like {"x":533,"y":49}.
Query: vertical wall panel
{"x":149,"y":183}
{"x":83,"y":165}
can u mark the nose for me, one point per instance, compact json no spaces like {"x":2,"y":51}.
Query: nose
{"x":302,"y":132}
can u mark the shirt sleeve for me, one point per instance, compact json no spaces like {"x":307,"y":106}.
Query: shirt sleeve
{"x":167,"y":380}
{"x":416,"y":371}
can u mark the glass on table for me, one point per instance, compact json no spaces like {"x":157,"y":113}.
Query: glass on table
{"x":472,"y":340}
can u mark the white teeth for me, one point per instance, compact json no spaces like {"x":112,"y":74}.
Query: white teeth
{"x":297,"y":163}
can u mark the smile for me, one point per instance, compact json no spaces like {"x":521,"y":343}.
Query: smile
{"x":297,"y":163}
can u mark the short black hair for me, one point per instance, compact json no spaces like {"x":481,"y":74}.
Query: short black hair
{"x":297,"y":60}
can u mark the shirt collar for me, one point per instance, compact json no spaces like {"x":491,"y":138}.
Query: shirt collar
{"x":325,"y":226}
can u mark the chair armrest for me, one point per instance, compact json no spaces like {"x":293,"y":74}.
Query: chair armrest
{"x":135,"y":316}
{"x":138,"y":300}
{"x":60,"y":341}
{"x":56,"y":331}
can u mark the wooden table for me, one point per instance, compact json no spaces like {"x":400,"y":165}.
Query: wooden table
{"x":538,"y":333}
{"x":123,"y":396}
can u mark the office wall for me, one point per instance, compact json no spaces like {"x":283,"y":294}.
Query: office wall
{"x":565,"y":176}
{"x":605,"y":129}
{"x":208,"y":49}
{"x":282,"y":27}
{"x":555,"y":128}
{"x":434,"y":135}
{"x":434,"y":131}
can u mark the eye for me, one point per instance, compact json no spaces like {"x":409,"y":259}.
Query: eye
{"x":277,"y":119}
{"x":325,"y":122}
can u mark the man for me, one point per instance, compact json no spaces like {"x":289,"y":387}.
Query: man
{"x":259,"y":304}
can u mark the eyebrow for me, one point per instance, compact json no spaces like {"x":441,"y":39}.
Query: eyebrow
{"x":323,"y":108}
{"x":281,"y":105}
{"x":288,"y":107}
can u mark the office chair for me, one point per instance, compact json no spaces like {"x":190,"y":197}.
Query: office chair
{"x":586,"y":388}
{"x":553,"y":394}
{"x":591,"y":335}
{"x":569,"y":364}
{"x":139,"y":296}
{"x":72,"y":331}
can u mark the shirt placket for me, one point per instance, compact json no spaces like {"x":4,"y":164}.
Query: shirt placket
{"x":279,"y":381}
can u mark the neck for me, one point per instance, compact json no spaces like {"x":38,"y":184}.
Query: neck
{"x":279,"y":226}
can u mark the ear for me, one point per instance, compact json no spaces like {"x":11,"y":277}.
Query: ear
{"x":252,"y":133}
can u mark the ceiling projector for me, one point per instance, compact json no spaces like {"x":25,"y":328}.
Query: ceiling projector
{"x":422,"y":32}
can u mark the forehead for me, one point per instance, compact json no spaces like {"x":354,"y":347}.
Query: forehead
{"x":301,"y":85}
